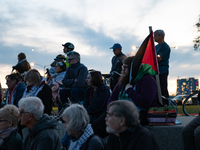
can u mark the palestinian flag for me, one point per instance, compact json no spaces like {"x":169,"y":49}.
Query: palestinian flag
{"x":145,"y":61}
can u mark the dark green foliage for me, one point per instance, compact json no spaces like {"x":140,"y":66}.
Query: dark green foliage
{"x":197,"y":39}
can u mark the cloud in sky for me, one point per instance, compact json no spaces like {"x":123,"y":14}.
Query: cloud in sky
{"x":93,"y":27}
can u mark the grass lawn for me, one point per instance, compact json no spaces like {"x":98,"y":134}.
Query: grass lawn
{"x":191,"y":109}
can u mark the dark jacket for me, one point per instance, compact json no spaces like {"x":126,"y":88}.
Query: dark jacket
{"x":22,"y":66}
{"x":76,"y":71}
{"x":117,"y":62}
{"x":97,"y":105}
{"x":134,"y":138}
{"x":18,"y":93}
{"x":94,"y":143}
{"x":46,"y":96}
{"x":12,"y":142}
{"x":43,"y":136}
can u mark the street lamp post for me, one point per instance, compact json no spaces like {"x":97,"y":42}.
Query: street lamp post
{"x":44,"y":67}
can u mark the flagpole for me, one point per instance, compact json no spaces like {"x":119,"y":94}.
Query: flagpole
{"x":157,"y":79}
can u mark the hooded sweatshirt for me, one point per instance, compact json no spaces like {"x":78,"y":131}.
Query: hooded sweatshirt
{"x":43,"y":135}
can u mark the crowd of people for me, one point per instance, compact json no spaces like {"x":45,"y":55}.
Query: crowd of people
{"x":118,"y":111}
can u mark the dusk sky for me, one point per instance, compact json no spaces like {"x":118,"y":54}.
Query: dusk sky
{"x":40,"y":27}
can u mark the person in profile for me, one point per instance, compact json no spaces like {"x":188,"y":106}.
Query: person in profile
{"x":16,"y":88}
{"x":23,"y":65}
{"x":42,"y":128}
{"x":163,"y":53}
{"x":126,"y":133}
{"x":117,"y":62}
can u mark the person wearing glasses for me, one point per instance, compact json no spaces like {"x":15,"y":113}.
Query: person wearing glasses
{"x":126,"y":133}
{"x":9,"y":136}
{"x":42,"y":133}
{"x":74,"y":80}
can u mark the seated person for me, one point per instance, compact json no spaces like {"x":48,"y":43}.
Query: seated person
{"x":9,"y":137}
{"x":78,"y":127}
{"x":143,"y":93}
{"x":191,"y":134}
{"x":15,"y":89}
{"x":126,"y":133}
{"x":42,"y":133}
{"x":55,"y":81}
{"x":58,"y":58}
{"x":36,"y":87}
{"x":74,"y":80}
{"x":22,"y":65}
{"x":96,"y":95}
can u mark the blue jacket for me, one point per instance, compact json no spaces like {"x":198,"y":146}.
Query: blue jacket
{"x":18,"y":93}
{"x":76,"y":71}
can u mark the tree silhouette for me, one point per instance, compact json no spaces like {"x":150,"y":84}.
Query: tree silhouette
{"x":197,"y":39}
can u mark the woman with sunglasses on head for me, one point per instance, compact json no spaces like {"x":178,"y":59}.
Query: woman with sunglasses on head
{"x":56,"y":81}
{"x":9,"y":136}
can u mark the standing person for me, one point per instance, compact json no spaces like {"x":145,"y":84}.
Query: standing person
{"x":126,"y":133}
{"x":117,"y":62}
{"x":74,"y":80}
{"x":163,"y":53}
{"x":15,"y":90}
{"x":67,"y":48}
{"x":36,"y":86}
{"x":42,"y":134}
{"x":22,"y":65}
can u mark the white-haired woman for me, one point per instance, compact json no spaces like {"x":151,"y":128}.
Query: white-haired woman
{"x":9,"y":136}
{"x":78,"y":127}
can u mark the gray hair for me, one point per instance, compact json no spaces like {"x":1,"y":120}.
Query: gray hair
{"x":10,"y":113}
{"x":160,"y":32}
{"x":74,"y":54}
{"x":126,"y":109}
{"x":78,"y":117}
{"x":32,"y":105}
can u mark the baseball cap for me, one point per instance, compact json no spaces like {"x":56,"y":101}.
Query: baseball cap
{"x":116,"y":45}
{"x":68,"y":45}
{"x":60,"y":57}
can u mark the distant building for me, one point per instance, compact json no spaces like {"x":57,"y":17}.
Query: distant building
{"x":186,"y":86}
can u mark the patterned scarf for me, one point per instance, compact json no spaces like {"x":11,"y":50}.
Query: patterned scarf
{"x":33,"y":90}
{"x":76,"y":145}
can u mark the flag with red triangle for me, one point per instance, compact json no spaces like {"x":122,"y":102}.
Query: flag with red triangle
{"x":145,"y":60}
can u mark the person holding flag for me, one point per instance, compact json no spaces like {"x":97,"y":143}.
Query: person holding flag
{"x":137,"y":83}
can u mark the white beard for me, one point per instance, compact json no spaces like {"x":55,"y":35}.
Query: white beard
{"x":110,"y":130}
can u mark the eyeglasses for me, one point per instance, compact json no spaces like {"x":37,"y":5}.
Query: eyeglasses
{"x":70,"y":59}
{"x":22,"y":112}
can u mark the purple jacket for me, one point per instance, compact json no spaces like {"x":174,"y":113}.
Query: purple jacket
{"x":144,"y":93}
